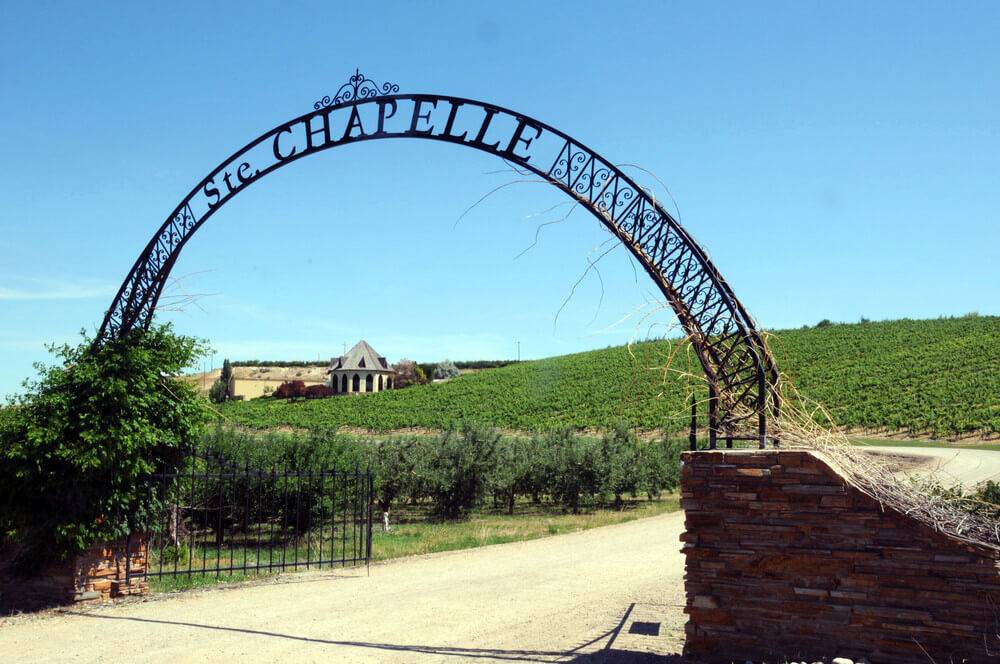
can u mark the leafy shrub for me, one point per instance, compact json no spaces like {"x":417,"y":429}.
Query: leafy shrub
{"x":395,"y":462}
{"x":77,"y":448}
{"x":219,"y":391}
{"x":518,"y":468}
{"x":457,"y":468}
{"x":617,"y":464}
{"x":446,"y":369}
{"x":573,"y":468}
{"x":292,"y":389}
{"x":174,"y":553}
{"x":408,"y":373}
{"x":319,"y":392}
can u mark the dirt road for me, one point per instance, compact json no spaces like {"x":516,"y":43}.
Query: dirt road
{"x":583,"y":597}
{"x":950,"y":466}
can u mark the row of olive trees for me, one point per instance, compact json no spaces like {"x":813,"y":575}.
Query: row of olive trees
{"x":460,"y":470}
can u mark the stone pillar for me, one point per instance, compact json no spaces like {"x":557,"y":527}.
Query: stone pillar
{"x":787,"y":560}
{"x":101,"y":573}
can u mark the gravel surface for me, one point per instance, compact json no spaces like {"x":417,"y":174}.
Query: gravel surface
{"x":949,"y":466}
{"x":583,"y":597}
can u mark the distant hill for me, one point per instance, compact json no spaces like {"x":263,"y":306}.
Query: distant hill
{"x":924,"y":377}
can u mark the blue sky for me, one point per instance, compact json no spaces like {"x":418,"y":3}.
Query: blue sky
{"x":837,"y":160}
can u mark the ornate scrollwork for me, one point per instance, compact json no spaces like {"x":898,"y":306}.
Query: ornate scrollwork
{"x":358,"y":86}
{"x":741,"y":372}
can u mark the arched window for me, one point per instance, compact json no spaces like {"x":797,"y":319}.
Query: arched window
{"x":389,"y":383}
{"x":369,"y":383}
{"x":356,"y":383}
{"x":343,"y":383}
{"x":380,"y":382}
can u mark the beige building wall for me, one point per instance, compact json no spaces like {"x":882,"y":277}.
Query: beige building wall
{"x":362,"y":384}
{"x":251,"y":388}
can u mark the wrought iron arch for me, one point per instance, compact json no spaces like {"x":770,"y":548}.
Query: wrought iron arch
{"x":740,"y":371}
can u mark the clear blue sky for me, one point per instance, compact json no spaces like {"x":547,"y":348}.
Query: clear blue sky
{"x":837,"y":160}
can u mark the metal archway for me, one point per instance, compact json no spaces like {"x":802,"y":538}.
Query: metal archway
{"x":741,"y":373}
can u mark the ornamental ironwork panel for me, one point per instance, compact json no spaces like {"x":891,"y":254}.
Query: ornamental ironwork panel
{"x":741,"y":373}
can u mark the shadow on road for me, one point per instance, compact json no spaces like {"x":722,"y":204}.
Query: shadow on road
{"x":606,"y":655}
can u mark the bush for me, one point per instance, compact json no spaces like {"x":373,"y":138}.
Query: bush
{"x":618,"y":469}
{"x":219,"y":391}
{"x":408,"y":373}
{"x":293,"y":389}
{"x":518,"y":468}
{"x":573,"y":468}
{"x":457,"y":468}
{"x":394,"y":463}
{"x":446,"y":369}
{"x":78,"y":447}
{"x":175,"y":553}
{"x":319,"y":392}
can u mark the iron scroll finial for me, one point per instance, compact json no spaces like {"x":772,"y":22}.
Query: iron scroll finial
{"x":358,"y":86}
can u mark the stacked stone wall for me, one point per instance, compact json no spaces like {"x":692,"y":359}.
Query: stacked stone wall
{"x":787,"y":560}
{"x":100,"y":573}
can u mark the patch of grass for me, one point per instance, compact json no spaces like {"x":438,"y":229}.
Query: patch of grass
{"x":415,"y":533}
{"x":483,"y":529}
{"x":168,"y":584}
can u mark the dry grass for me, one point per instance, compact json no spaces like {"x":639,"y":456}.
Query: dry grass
{"x":806,"y":425}
{"x":529,"y":522}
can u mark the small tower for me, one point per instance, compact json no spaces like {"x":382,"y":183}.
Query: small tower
{"x":361,"y":370}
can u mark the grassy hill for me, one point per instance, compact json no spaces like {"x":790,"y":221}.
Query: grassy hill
{"x":929,"y":377}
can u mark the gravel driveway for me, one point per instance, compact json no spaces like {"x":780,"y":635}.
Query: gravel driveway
{"x":582,"y":597}
{"x":949,"y":465}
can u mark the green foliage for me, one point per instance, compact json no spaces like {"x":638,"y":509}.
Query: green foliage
{"x":408,"y":373}
{"x":457,"y":468}
{"x":77,"y":447}
{"x":483,"y":364}
{"x":226,"y":374}
{"x":172,"y":554}
{"x":518,"y":468}
{"x":573,"y":468}
{"x":446,"y":369}
{"x":930,"y":377}
{"x":219,"y":391}
{"x":618,"y":464}
{"x":456,"y":471}
{"x":936,"y":377}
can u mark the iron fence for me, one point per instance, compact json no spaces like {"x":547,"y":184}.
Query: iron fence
{"x":219,"y":518}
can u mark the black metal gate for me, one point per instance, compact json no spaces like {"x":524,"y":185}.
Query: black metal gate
{"x":223,"y":518}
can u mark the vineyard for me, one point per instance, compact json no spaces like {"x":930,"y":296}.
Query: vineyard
{"x":929,"y":377}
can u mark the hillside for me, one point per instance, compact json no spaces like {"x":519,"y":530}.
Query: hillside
{"x":929,"y":377}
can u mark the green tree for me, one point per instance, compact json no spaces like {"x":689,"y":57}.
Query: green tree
{"x":219,"y":392}
{"x":226,"y":375}
{"x":78,"y":447}
{"x":511,"y":471}
{"x":572,"y":468}
{"x":459,"y":463}
{"x":394,"y":463}
{"x":618,"y":464}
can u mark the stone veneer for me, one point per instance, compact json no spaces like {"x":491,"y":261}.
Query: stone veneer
{"x":785,"y":558}
{"x":97,"y":575}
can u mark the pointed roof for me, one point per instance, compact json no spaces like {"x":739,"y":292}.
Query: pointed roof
{"x":362,"y":356}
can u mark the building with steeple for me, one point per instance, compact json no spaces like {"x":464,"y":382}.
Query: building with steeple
{"x":361,"y":370}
